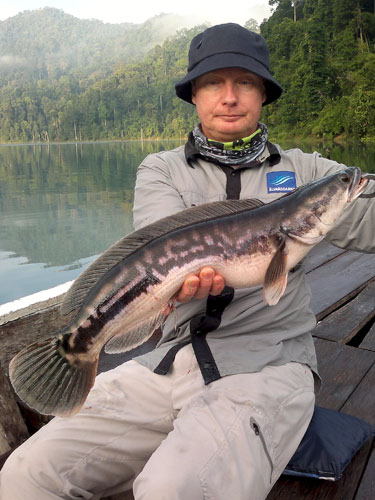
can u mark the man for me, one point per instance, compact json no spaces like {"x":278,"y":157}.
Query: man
{"x":219,"y":407}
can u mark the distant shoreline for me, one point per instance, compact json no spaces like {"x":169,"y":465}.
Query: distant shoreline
{"x":275,"y":137}
{"x":99,"y":141}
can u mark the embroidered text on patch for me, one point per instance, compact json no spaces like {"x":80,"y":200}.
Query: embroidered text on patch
{"x":281,"y":182}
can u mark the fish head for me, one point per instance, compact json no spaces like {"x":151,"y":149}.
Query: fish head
{"x":318,"y":205}
{"x":348,"y":184}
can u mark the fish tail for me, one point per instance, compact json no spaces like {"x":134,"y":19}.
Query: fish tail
{"x":49,"y":381}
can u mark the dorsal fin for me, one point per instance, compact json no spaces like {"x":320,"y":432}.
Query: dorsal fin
{"x":75,"y":296}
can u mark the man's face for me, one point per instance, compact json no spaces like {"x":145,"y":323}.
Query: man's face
{"x":229,"y":103}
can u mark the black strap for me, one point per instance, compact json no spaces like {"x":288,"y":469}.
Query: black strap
{"x":233,"y":186}
{"x":166,"y":362}
{"x":217,"y":303}
{"x":275,"y":156}
{"x":199,"y":327}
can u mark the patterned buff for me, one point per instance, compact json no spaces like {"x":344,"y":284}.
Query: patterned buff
{"x":237,"y":152}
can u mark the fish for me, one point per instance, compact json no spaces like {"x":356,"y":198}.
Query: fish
{"x":127,"y":293}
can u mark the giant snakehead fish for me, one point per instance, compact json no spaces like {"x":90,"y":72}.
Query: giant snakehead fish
{"x":126,"y":293}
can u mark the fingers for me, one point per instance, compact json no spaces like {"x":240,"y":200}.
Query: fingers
{"x":188,"y":289}
{"x":206,"y":281}
{"x":199,"y":287}
{"x":217,"y":285}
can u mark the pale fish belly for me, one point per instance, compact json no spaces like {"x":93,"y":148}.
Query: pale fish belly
{"x":296,"y":251}
{"x":155,"y":298}
{"x":239,"y":272}
{"x":246,"y":270}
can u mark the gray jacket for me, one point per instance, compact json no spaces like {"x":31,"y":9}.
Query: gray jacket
{"x":251,"y":335}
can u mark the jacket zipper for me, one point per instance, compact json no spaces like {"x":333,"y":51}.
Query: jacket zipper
{"x":257,"y":430}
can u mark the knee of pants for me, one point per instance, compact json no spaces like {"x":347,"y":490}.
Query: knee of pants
{"x":166,"y":484}
{"x":36,"y":466}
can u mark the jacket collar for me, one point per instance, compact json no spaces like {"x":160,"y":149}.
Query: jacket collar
{"x":271,"y":153}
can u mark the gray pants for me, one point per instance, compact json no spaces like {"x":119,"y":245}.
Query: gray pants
{"x":169,"y":437}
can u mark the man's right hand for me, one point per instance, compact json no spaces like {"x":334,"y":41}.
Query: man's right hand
{"x":207,"y":282}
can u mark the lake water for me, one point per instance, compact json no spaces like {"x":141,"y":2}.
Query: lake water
{"x":61,"y":205}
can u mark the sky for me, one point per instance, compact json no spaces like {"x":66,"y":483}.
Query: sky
{"x":138,"y":11}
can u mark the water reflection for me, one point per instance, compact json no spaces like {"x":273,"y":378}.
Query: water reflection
{"x":62,"y":205}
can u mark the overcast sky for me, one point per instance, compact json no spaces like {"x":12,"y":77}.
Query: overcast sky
{"x":138,"y":11}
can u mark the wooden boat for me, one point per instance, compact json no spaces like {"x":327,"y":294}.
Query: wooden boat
{"x":343,"y":286}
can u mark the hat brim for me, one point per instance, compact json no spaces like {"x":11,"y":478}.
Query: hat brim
{"x":229,"y":60}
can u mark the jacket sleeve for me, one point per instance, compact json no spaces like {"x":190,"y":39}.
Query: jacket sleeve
{"x":155,"y":196}
{"x":355,"y":230}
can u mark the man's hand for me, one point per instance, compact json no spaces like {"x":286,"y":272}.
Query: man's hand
{"x":199,"y":287}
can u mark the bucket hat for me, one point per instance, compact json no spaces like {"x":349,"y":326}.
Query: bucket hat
{"x":228,"y":46}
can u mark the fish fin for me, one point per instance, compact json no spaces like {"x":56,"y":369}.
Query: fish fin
{"x":276,"y":277}
{"x":172,"y":306}
{"x":252,"y":203}
{"x":76,"y":295}
{"x":133,"y":338}
{"x":46,"y":381}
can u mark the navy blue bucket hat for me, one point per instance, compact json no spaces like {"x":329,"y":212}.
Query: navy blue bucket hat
{"x":228,"y":46}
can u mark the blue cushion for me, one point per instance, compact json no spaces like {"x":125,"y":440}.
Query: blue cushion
{"x":330,"y":442}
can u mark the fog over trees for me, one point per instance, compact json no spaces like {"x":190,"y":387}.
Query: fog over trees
{"x":62,"y":78}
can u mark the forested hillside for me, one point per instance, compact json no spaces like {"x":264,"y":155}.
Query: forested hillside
{"x":322,"y":53}
{"x":48,"y":44}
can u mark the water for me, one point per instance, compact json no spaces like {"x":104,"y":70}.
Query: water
{"x":62,"y":205}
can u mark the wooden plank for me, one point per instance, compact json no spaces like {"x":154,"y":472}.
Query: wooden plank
{"x":367,"y":485}
{"x":288,"y":488}
{"x":342,"y":325}
{"x":13,"y":430}
{"x":341,"y":368}
{"x":369,"y":341}
{"x":362,"y":402}
{"x":334,"y":283}
{"x":321,"y":254}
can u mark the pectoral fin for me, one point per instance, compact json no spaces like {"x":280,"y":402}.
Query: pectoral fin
{"x":276,"y":276}
{"x":130,"y":339}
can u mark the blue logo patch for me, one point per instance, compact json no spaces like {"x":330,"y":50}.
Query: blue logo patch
{"x":281,"y":182}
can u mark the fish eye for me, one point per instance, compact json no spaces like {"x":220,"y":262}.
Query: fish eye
{"x":345,"y":178}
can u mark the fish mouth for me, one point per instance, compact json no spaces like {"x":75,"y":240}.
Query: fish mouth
{"x":358,"y":182}
{"x":365,"y":178}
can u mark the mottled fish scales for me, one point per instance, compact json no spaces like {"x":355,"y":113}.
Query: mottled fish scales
{"x":76,"y":295}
